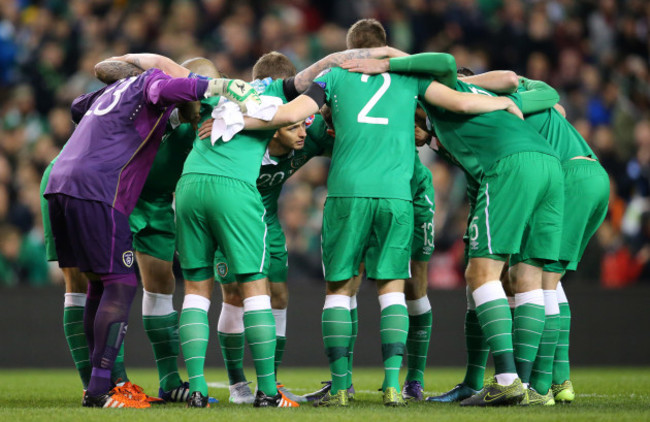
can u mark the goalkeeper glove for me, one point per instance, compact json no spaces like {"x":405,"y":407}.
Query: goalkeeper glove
{"x":235,"y":90}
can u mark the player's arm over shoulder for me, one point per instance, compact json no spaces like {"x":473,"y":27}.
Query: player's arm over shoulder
{"x":498,"y":81}
{"x":464,"y":102}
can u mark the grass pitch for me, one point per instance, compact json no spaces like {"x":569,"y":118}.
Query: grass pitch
{"x":603,"y":394}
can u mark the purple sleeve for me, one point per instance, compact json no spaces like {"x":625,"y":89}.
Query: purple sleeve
{"x":82,"y":103}
{"x":163,"y":90}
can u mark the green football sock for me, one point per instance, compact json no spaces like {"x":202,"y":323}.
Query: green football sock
{"x":73,"y":327}
{"x":163,"y":334}
{"x":259,"y":328}
{"x":194,"y":332}
{"x":337,"y":330}
{"x":232,"y":341}
{"x":354,"y":318}
{"x":561,"y":368}
{"x":419,"y":336}
{"x":280,"y":317}
{"x":493,"y":313}
{"x":393,"y":328}
{"x":528,"y":328}
{"x":280,"y":342}
{"x":232,"y":349}
{"x":542,"y":376}
{"x":477,"y":351}
{"x":118,"y":373}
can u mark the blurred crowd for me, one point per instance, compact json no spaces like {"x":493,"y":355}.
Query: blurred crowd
{"x":594,"y":52}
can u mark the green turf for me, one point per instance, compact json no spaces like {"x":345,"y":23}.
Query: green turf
{"x":617,"y":394}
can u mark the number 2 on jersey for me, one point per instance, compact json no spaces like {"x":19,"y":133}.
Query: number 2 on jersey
{"x":363,"y":117}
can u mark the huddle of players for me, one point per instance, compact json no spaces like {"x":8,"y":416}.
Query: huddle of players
{"x":368,"y":218}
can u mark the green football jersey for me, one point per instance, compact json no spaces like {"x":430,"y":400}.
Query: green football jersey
{"x":276,"y":170}
{"x":477,"y":141}
{"x":565,"y":140}
{"x":167,"y":167}
{"x":374,"y":119}
{"x":241,"y":157}
{"x":420,"y":173}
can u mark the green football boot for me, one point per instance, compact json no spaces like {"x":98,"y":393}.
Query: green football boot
{"x":533,"y":398}
{"x":495,"y":394}
{"x":340,"y":399}
{"x":393,"y":397}
{"x":563,"y":393}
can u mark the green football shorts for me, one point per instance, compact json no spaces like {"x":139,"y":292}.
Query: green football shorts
{"x":153,"y":228}
{"x":586,"y":199}
{"x":48,"y":237}
{"x":276,"y":248}
{"x":519,"y":209}
{"x":220,"y":212}
{"x":377,"y":231}
{"x":423,"y":211}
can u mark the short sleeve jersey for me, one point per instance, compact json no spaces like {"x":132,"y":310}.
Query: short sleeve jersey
{"x":241,"y":157}
{"x":374,"y":119}
{"x":167,"y":167}
{"x":477,"y":141}
{"x":565,"y":140}
{"x":276,"y":170}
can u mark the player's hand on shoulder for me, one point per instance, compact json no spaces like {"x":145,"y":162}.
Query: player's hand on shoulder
{"x":206,"y":128}
{"x":367,"y":66}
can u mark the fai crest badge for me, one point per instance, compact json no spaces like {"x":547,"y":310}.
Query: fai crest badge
{"x":127,"y":258}
{"x":298,"y":161}
{"x":222,"y":269}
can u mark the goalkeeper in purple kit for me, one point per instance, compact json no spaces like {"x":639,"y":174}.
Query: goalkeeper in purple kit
{"x":93,"y":187}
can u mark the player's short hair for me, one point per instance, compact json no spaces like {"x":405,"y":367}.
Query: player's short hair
{"x":465,"y":71}
{"x":366,"y":33}
{"x":326,"y":113}
{"x":274,"y":65}
{"x":202,"y":66}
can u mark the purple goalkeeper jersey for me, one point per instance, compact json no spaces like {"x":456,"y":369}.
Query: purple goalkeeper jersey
{"x":111,"y":151}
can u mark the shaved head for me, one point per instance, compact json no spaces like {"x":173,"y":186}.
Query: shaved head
{"x":202,"y":66}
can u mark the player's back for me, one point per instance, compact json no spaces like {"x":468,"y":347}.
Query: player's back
{"x":239,"y":158}
{"x":478,"y":141}
{"x":109,"y":154}
{"x":374,"y":119}
{"x":565,"y":140}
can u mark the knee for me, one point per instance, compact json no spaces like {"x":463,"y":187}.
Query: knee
{"x":231,"y":295}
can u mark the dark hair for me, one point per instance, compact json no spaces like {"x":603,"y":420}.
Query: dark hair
{"x":465,"y":71}
{"x":366,"y":33}
{"x":274,"y":65}
{"x":326,"y":112}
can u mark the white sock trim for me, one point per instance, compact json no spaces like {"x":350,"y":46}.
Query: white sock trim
{"x":492,"y":290}
{"x":257,"y":303}
{"x":231,"y":319}
{"x":471,"y":306}
{"x":506,"y":378}
{"x":74,"y":299}
{"x":156,"y":304}
{"x":534,"y":297}
{"x":390,"y":299}
{"x":418,"y":306}
{"x":561,"y":296}
{"x":196,"y":301}
{"x":280,"y":322}
{"x":551,"y":307}
{"x":337,"y":301}
{"x":353,"y":302}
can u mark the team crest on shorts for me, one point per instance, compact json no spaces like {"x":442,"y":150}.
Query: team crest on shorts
{"x":222,"y":269}
{"x":127,"y":258}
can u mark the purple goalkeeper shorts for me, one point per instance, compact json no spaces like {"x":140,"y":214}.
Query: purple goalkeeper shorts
{"x":91,"y":235}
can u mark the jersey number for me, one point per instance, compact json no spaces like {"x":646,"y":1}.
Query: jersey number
{"x":363,"y":117}
{"x":428,"y":228}
{"x":117,"y":94}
